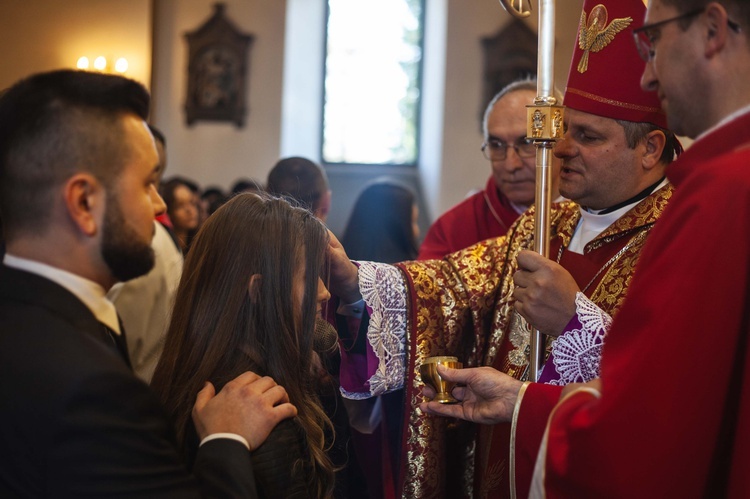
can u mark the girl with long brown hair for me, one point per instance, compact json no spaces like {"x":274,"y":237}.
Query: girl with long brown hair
{"x":248,"y":300}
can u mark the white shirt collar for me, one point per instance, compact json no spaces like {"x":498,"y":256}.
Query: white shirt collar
{"x":89,"y":292}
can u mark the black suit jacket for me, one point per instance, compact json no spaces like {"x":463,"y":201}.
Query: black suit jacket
{"x":76,"y":422}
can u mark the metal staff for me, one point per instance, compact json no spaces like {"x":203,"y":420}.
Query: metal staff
{"x":545,"y":126}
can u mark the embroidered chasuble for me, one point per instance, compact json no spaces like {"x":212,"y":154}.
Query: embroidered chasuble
{"x":463,"y":306}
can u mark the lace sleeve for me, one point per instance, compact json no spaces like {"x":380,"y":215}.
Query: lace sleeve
{"x":384,"y":291}
{"x":576,"y":354}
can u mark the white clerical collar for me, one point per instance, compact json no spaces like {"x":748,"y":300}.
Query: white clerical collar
{"x":733,"y":116}
{"x":89,"y":292}
{"x":592,"y":224}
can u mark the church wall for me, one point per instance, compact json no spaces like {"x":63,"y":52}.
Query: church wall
{"x":40,"y":35}
{"x":45,"y":34}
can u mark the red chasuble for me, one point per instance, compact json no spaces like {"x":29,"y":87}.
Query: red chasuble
{"x":463,"y":306}
{"x":481,"y":216}
{"x":673,"y":419}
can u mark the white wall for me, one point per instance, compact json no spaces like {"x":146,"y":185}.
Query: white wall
{"x":217,"y":152}
{"x":44,"y":34}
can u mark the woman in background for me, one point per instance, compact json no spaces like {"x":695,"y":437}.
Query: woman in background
{"x":382,"y":228}
{"x":181,"y":197}
{"x":248,"y":300}
{"x":383,"y":224}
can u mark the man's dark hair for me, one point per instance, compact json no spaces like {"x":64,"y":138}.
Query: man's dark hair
{"x":53,"y":125}
{"x":635,"y":132}
{"x":300,"y":179}
{"x":214,"y":198}
{"x":157,"y":134}
{"x":245,"y":185}
{"x":212,"y":192}
{"x":738,"y":10}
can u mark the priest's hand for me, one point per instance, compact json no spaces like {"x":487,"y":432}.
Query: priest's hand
{"x":545,"y":293}
{"x":344,"y":282}
{"x":485,"y":395}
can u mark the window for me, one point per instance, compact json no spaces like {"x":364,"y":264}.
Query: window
{"x":372,"y":81}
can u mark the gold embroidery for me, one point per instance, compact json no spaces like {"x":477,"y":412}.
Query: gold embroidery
{"x":463,"y":306}
{"x":596,"y":35}
{"x":640,"y":235}
{"x":436,"y":330}
{"x":493,"y":478}
{"x":612,"y":102}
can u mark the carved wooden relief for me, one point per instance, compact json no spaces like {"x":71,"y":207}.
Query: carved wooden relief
{"x":218,"y":56}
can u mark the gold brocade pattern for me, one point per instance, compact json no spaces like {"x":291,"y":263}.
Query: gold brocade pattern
{"x":441,"y":292}
{"x":463,"y":306}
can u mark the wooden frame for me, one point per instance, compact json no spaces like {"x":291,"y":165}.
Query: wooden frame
{"x":218,"y":56}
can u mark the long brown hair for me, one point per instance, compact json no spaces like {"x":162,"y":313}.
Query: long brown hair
{"x":218,"y":330}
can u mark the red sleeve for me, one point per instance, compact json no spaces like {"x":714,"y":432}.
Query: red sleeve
{"x":456,"y":229}
{"x":674,"y":416}
{"x":535,"y":407}
{"x":435,"y":244}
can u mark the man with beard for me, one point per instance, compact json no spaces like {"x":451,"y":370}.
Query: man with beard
{"x":145,"y":303}
{"x":77,"y":173}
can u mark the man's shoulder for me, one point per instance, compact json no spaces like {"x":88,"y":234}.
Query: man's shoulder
{"x":65,"y":391}
{"x":54,"y":344}
{"x":37,"y":345}
{"x":728,"y":170}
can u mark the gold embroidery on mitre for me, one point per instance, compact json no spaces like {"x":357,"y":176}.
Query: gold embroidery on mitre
{"x":612,"y":102}
{"x":594,"y":35}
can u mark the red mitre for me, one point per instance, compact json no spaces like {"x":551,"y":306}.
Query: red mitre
{"x":605,"y":74}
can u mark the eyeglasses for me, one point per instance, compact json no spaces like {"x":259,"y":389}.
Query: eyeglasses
{"x":496,"y":150}
{"x":646,"y":35}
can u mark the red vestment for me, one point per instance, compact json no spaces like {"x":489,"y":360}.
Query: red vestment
{"x":673,"y":419}
{"x":463,"y":306}
{"x":483,"y":215}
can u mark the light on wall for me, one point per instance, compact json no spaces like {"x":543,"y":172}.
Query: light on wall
{"x":101,"y":64}
{"x":121,"y":65}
